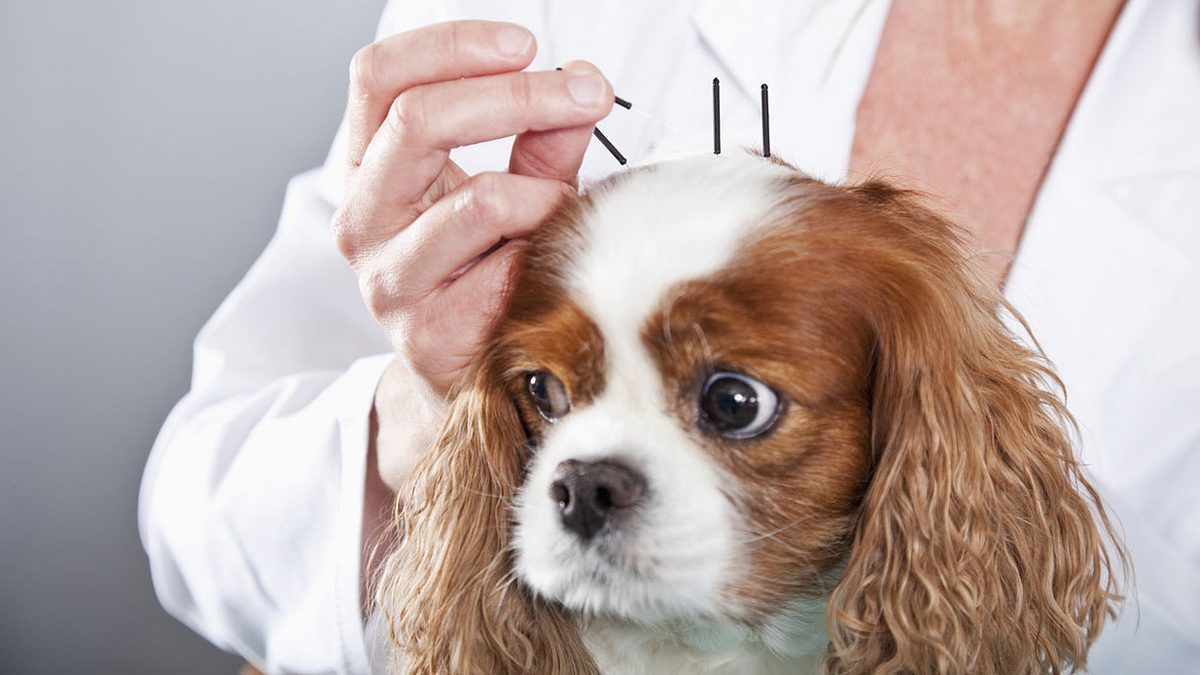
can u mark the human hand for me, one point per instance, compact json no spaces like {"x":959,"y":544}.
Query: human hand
{"x":433,"y":248}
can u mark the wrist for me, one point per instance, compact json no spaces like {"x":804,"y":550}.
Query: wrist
{"x":408,"y":414}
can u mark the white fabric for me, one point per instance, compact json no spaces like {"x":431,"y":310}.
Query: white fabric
{"x":251,"y":503}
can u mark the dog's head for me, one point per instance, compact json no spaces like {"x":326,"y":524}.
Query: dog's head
{"x":723,"y":392}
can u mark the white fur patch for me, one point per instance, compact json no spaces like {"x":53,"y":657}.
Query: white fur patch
{"x":676,"y":220}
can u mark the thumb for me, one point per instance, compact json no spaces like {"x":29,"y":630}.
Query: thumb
{"x":555,"y":153}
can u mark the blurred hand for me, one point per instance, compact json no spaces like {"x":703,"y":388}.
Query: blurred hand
{"x":433,"y":248}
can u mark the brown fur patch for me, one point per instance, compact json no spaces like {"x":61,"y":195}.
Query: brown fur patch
{"x":545,"y":330}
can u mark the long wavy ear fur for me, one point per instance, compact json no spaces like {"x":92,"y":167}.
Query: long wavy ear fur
{"x":447,"y":590}
{"x":981,"y":546}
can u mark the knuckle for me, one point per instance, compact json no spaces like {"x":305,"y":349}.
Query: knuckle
{"x":540,"y":165}
{"x":521,"y":90}
{"x":457,"y":40}
{"x":405,"y":117}
{"x":343,"y":230}
{"x":389,"y":289}
{"x":419,"y":337}
{"x":484,"y":198}
{"x":362,"y":68}
{"x":368,"y":288}
{"x":379,"y":291}
{"x":415,"y":343}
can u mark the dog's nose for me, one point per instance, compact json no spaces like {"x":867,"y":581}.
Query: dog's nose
{"x":589,"y":494}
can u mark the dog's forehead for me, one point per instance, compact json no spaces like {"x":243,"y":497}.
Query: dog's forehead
{"x":658,"y":226}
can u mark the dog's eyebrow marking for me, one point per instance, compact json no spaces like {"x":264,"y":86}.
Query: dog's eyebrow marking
{"x":716,"y":116}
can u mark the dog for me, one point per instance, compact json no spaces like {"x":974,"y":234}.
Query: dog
{"x":737,"y":420}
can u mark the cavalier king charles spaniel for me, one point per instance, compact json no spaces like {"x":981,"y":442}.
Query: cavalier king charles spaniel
{"x":737,"y":420}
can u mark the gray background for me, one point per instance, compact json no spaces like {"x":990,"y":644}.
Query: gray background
{"x":144,"y":149}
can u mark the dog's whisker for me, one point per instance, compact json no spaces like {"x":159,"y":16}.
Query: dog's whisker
{"x":781,"y":529}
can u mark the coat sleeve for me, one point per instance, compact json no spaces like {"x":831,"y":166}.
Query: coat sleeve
{"x":251,"y":503}
{"x":250,"y":508}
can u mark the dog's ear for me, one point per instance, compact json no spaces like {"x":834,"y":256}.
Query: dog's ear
{"x":981,"y":547}
{"x":447,"y":590}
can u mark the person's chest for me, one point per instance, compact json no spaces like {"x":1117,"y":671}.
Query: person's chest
{"x":967,"y":108}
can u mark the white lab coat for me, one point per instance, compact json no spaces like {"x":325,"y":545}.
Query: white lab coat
{"x":250,"y":508}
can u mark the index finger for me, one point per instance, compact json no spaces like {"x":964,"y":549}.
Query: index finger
{"x":383,"y":69}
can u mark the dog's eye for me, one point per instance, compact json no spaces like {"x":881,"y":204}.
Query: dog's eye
{"x":549,"y":395}
{"x":737,"y":406}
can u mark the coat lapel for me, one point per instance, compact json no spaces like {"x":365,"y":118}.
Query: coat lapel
{"x":1094,"y":270}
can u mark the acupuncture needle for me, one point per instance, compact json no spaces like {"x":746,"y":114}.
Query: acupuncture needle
{"x":604,"y":139}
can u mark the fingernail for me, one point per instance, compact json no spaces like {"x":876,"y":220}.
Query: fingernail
{"x":586,"y":89}
{"x":513,"y":41}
